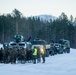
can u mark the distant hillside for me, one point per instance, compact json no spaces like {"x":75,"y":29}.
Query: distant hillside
{"x":46,"y":17}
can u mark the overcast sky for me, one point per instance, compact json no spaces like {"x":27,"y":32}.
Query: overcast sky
{"x":37,"y":7}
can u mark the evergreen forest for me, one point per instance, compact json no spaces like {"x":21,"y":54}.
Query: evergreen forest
{"x":15,"y":23}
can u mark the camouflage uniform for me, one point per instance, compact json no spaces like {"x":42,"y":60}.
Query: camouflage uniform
{"x":13,"y":55}
{"x":23,"y":56}
{"x":6,"y":54}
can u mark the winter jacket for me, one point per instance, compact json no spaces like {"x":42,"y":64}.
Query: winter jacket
{"x":35,"y":52}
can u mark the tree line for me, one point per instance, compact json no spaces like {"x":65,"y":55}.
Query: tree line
{"x":16,"y":23}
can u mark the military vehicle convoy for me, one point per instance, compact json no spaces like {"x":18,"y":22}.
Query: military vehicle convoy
{"x":63,"y":46}
{"x":21,"y":51}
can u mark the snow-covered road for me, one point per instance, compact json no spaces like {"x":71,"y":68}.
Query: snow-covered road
{"x":62,"y":64}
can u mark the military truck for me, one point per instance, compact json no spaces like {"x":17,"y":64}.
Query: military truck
{"x":55,"y":48}
{"x":41,"y":44}
{"x":52,"y":50}
{"x":65,"y":44}
{"x":58,"y":48}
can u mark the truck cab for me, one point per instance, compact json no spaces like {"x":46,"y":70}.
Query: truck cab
{"x":65,"y":44}
{"x":40,"y":44}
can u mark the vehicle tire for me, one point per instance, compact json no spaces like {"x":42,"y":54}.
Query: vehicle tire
{"x":68,"y":50}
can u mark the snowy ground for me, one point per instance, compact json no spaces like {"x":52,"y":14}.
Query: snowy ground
{"x":63,"y":64}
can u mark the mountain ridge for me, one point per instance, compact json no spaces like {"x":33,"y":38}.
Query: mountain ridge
{"x":45,"y":17}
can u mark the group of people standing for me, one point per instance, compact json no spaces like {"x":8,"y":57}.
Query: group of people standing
{"x":39,"y":53}
{"x":14,"y":55}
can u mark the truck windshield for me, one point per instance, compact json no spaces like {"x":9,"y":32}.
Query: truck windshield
{"x":38,"y":42}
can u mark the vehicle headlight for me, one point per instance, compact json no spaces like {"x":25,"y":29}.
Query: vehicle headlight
{"x":64,"y":47}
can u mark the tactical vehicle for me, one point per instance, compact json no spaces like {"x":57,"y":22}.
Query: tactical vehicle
{"x":41,"y":44}
{"x":19,"y":42}
{"x":17,"y":45}
{"x":51,"y":50}
{"x":58,"y":48}
{"x":55,"y":48}
{"x":65,"y":44}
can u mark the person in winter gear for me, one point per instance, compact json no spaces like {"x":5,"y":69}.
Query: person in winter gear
{"x":43,"y":53}
{"x":34,"y":55}
{"x":1,"y":55}
{"x":23,"y":56}
{"x":14,"y":54}
{"x":38,"y":55}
